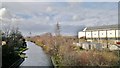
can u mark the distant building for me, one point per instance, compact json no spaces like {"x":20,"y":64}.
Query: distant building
{"x":101,"y":33}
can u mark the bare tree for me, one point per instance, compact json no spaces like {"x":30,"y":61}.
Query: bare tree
{"x":6,"y":28}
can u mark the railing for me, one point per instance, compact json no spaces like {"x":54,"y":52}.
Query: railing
{"x":17,"y":63}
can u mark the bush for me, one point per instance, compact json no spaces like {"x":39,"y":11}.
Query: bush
{"x":89,"y":58}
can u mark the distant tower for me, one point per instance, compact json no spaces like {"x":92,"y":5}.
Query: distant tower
{"x":57,"y":29}
{"x":30,"y":33}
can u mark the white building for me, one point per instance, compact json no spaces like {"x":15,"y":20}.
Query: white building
{"x":108,"y":32}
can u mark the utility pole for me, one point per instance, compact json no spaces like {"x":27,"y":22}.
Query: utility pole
{"x":30,"y":34}
{"x":57,"y":29}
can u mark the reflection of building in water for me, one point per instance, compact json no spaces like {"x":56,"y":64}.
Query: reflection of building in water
{"x":109,"y":34}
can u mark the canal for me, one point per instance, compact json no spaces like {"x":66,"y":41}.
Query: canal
{"x":36,"y":56}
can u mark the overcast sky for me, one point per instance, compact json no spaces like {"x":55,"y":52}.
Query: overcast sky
{"x":41,"y":17}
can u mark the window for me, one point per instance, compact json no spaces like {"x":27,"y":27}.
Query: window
{"x":110,"y":33}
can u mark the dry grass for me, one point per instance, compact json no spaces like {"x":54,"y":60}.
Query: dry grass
{"x":89,"y":58}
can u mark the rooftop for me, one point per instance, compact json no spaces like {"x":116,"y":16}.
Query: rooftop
{"x":105,"y":27}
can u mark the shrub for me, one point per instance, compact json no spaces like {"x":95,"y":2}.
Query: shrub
{"x":89,"y":58}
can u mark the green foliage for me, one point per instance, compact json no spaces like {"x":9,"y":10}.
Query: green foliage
{"x":14,"y":43}
{"x":12,"y":50}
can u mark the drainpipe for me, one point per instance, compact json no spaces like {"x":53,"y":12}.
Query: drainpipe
{"x":98,"y":36}
{"x":107,"y":38}
{"x":115,"y":37}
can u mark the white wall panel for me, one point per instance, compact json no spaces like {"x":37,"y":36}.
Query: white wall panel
{"x":117,"y":33}
{"x":95,"y":34}
{"x":88,"y":34}
{"x":81,"y":34}
{"x":111,"y":33}
{"x":102,"y":34}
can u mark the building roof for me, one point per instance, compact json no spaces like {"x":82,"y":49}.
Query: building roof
{"x":106,"y":27}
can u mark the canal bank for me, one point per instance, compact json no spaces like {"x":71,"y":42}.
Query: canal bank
{"x":36,"y":57}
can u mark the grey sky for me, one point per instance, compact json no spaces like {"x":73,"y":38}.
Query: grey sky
{"x":41,"y":17}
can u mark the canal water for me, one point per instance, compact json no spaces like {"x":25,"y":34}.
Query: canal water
{"x":36,"y":56}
